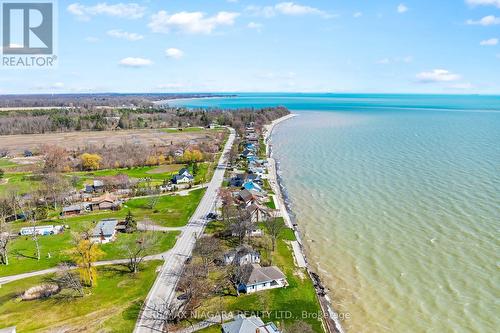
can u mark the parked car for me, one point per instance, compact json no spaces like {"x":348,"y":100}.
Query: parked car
{"x":212,"y":216}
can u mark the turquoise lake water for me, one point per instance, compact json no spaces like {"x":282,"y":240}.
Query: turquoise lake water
{"x":398,"y":199}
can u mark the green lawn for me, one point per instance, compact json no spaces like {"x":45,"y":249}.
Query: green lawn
{"x":112,"y":306}
{"x":170,"y":211}
{"x":297,"y":297}
{"x":270,"y":203}
{"x":55,"y":249}
{"x":6,"y":163}
{"x":22,"y":182}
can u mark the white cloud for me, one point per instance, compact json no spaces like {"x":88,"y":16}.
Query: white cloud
{"x":286,"y":8}
{"x":132,"y":36}
{"x":402,"y":8}
{"x":437,"y":75}
{"x":135,"y":62}
{"x":487,"y":20}
{"x":357,"y":14}
{"x":384,"y":61}
{"x":128,"y":10}
{"x":255,"y":25}
{"x":91,"y":39}
{"x":190,"y":22}
{"x":484,"y":3}
{"x":291,"y":8}
{"x":489,"y":42}
{"x":174,"y":53}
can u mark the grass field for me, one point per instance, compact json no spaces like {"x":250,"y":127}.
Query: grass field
{"x":55,"y":249}
{"x":112,"y":306}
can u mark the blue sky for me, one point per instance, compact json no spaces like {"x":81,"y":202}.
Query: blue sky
{"x":413,"y":46}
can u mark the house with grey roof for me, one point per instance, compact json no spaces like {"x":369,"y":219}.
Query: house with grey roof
{"x":253,"y":324}
{"x":242,"y":255}
{"x":183,"y":177}
{"x":104,"y":231}
{"x":260,"y":278}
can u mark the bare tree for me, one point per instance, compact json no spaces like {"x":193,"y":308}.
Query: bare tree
{"x":161,"y":315}
{"x":138,"y":248}
{"x":28,"y":211}
{"x":274,"y":227}
{"x":195,"y":287}
{"x":242,"y":225}
{"x":5,"y":211}
{"x":66,"y":278}
{"x":208,"y":249}
{"x":237,"y":275}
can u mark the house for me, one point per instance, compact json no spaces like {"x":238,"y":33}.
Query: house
{"x":183,"y":177}
{"x":72,"y":210}
{"x":238,"y":180}
{"x":242,"y":255}
{"x":250,"y":146}
{"x":96,"y":186}
{"x":252,"y":177}
{"x":257,"y":212}
{"x":262,"y":278}
{"x":248,"y":197}
{"x":42,"y":230}
{"x":179,"y":153}
{"x":104,"y":231}
{"x":251,"y":186}
{"x":253,"y":324}
{"x":105,"y":202}
{"x":247,"y":153}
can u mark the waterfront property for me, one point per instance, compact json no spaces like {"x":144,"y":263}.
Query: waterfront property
{"x":262,"y":278}
{"x":257,"y":212}
{"x":105,"y":231}
{"x":242,"y":255}
{"x":253,"y":324}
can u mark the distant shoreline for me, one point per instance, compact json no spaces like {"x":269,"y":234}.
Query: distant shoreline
{"x":330,"y":315}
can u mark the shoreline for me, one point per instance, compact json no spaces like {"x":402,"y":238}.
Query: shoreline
{"x":331,"y":322}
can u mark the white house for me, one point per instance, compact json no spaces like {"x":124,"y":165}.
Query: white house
{"x":253,"y":324}
{"x":242,"y":255}
{"x":183,"y":177}
{"x":262,"y":278}
{"x":104,"y":231}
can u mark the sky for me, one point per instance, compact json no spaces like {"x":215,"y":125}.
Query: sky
{"x":385,"y":46}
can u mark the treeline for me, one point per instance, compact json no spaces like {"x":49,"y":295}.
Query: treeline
{"x":93,"y":119}
{"x":89,"y":100}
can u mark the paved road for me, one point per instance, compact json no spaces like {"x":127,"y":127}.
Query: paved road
{"x":163,"y":290}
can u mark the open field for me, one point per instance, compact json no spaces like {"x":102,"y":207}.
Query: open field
{"x":17,"y":144}
{"x":112,"y":306}
{"x":55,"y":249}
